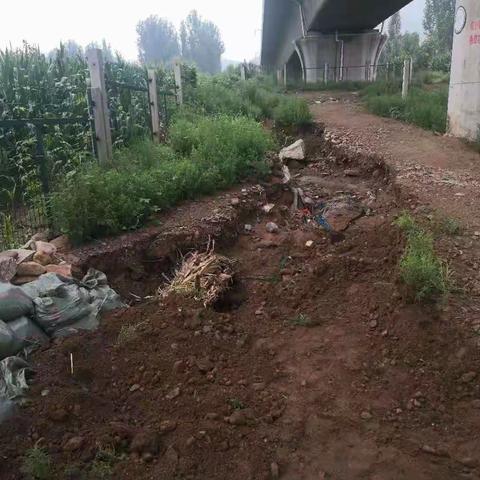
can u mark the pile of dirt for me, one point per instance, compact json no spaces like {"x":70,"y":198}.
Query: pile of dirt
{"x":312,"y":367}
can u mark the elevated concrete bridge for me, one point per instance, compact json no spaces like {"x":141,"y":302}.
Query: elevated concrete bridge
{"x":311,"y":40}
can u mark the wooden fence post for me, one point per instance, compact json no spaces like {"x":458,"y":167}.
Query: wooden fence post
{"x":101,"y":114}
{"x":406,"y":78}
{"x":177,"y":68}
{"x":154,"y":107}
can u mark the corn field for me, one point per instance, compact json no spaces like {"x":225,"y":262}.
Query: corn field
{"x":33,"y":86}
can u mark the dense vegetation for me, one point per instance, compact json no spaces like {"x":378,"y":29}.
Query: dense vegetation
{"x":424,"y":107}
{"x":214,"y":140}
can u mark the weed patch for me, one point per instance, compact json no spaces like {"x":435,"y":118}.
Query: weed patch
{"x":301,"y":320}
{"x":37,"y":464}
{"x":421,"y":270}
{"x":205,"y":154}
{"x":292,"y":111}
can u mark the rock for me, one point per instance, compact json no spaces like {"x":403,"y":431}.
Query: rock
{"x":42,"y":258}
{"x":274,"y":471}
{"x":179,"y":366}
{"x":65,"y":270}
{"x":468,"y":377}
{"x":145,"y":441}
{"x":8,"y":268}
{"x":168,"y":426}
{"x":352,"y":172}
{"x":235,"y":201}
{"x":204,"y":365}
{"x":476,"y":403}
{"x":45,"y":248}
{"x":296,"y":151}
{"x":373,"y":324}
{"x":212,"y":416}
{"x":9,"y":254}
{"x":268,"y":207}
{"x":248,"y":227}
{"x":74,"y":444}
{"x":366,"y":415}
{"x":62,"y":243}
{"x":59,"y":415}
{"x":272,"y":227}
{"x":172,"y":394}
{"x":22,"y":280}
{"x":258,"y":387}
{"x":171,"y":456}
{"x":30,"y":269}
{"x":21,"y":254}
{"x":135,"y":387}
{"x":241,"y":417}
{"x":341,"y":211}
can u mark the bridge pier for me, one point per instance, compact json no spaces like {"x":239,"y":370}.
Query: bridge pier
{"x":348,"y":56}
{"x":464,"y":95}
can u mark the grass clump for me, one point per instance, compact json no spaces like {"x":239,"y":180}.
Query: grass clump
{"x":424,"y":108}
{"x":37,"y":464}
{"x":292,"y":111}
{"x":301,"y":320}
{"x":422,"y":271}
{"x":205,"y":154}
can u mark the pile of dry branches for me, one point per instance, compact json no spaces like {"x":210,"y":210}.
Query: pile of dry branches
{"x":203,"y":276}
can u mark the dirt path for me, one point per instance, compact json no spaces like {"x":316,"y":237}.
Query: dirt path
{"x":315,"y":366}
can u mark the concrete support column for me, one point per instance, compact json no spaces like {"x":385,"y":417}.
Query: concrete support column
{"x":464,"y":97}
{"x":349,"y":56}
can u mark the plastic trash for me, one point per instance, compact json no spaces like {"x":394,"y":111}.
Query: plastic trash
{"x":14,"y":302}
{"x":100,"y":292}
{"x":9,"y":343}
{"x":14,"y":373}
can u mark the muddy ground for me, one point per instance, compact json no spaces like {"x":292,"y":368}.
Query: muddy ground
{"x":315,"y":365}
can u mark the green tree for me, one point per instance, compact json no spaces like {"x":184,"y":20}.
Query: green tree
{"x":438,"y":21}
{"x":393,"y":47}
{"x":201,"y":43}
{"x":157,"y":40}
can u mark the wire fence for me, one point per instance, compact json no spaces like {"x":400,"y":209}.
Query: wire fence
{"x":37,"y":152}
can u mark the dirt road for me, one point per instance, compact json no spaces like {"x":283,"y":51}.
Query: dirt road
{"x":315,"y":366}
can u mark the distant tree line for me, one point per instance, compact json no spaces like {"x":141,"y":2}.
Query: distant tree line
{"x":198,"y":42}
{"x":435,"y":51}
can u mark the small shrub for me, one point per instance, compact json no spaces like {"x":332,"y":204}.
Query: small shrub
{"x":37,"y":464}
{"x":205,"y":154}
{"x":447,"y":226}
{"x":301,"y":320}
{"x":424,"y":273}
{"x":292,"y":112}
{"x":236,"y":404}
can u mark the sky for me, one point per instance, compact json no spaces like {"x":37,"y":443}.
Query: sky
{"x":47,"y":22}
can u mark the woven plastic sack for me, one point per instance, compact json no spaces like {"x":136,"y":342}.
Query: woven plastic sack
{"x":14,"y":302}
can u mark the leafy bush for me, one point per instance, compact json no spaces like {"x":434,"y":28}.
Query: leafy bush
{"x":37,"y":464}
{"x":421,"y":269}
{"x":426,"y":109}
{"x":205,"y":155}
{"x":292,"y":111}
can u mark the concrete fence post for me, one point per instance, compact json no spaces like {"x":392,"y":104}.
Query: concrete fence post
{"x":243,"y":72}
{"x":325,"y":73}
{"x":285,"y":75}
{"x":387,"y":74}
{"x":154,"y":107}
{"x":177,"y":70}
{"x":279,"y":76}
{"x":406,"y":78}
{"x":101,"y":114}
{"x":410,"y":69}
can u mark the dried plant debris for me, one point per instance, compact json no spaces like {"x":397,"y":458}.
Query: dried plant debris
{"x":204,"y":276}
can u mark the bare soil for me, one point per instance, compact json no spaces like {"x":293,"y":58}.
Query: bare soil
{"x":314,"y":366}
